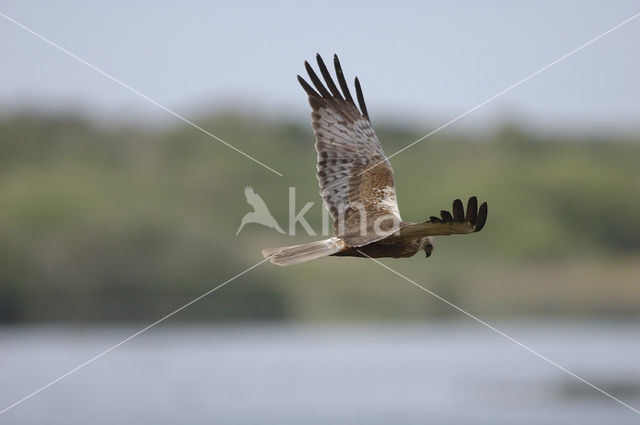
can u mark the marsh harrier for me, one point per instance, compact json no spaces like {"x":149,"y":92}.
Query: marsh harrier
{"x":357,"y":184}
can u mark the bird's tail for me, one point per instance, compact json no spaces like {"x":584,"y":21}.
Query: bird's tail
{"x":289,"y":255}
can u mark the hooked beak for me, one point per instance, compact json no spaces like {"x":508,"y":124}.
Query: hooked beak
{"x":428,"y":250}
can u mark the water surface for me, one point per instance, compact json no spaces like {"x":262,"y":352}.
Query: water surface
{"x":439,"y":372}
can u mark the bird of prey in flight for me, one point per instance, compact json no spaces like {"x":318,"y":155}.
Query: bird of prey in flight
{"x":357,"y":184}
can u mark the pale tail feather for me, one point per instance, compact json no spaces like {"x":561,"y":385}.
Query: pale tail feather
{"x":289,"y":255}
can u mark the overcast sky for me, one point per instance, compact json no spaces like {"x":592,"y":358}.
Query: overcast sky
{"x":425,"y":61}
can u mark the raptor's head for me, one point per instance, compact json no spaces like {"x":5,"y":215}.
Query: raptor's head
{"x":427,"y":245}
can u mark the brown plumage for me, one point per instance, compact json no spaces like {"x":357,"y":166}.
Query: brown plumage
{"x":357,"y":184}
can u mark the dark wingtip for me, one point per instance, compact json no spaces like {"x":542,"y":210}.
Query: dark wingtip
{"x":341,"y":80}
{"x":327,"y":78}
{"x":472,"y":210}
{"x":316,"y":81}
{"x":458,"y":210}
{"x":360,"y":96}
{"x":307,"y":88}
{"x":482,"y":216}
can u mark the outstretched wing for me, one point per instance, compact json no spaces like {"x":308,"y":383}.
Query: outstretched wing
{"x":448,"y":224}
{"x":361,"y":200}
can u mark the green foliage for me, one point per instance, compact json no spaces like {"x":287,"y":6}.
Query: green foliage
{"x":127,"y":223}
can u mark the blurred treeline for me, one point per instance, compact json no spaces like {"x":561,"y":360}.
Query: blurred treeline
{"x":105,"y":222}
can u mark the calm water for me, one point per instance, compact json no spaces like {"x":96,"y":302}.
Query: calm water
{"x":449,"y":373}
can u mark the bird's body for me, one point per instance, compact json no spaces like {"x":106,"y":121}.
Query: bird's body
{"x":388,"y":247}
{"x":357,"y":184}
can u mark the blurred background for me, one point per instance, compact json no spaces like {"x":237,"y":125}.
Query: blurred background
{"x":114,"y":213}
